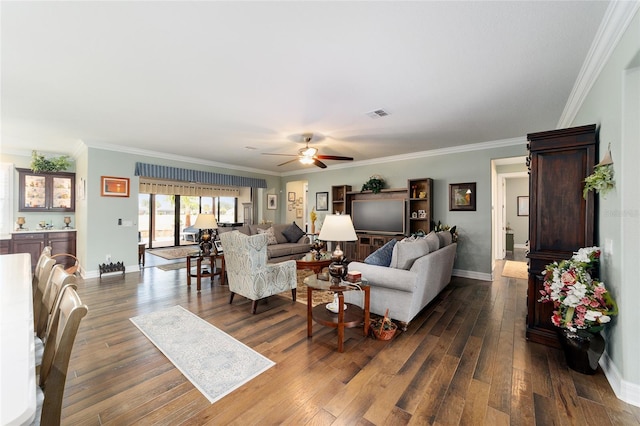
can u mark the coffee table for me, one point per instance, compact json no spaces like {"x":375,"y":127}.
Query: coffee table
{"x":310,"y":262}
{"x":352,"y":316}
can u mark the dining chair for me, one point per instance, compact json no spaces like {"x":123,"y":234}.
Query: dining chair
{"x":65,"y":322}
{"x":46,"y":253}
{"x":57,"y":280}
{"x":46,"y":268}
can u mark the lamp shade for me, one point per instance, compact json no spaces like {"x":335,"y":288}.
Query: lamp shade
{"x":337,"y":227}
{"x":206,"y":221}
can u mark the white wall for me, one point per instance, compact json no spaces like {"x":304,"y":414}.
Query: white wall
{"x":517,"y":187}
{"x":612,"y":103}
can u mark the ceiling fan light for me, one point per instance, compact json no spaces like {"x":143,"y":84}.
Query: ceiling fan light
{"x":308,"y":152}
{"x":306,"y":160}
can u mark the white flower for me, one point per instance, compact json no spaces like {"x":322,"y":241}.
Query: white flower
{"x":592,"y":315}
{"x":604,"y":319}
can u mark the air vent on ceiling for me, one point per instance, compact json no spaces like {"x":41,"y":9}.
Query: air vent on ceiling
{"x":377,"y":113}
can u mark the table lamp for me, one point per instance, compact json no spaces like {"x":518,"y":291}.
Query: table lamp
{"x":337,"y":227}
{"x":67,"y":221}
{"x":206,"y":223}
{"x":20,"y":221}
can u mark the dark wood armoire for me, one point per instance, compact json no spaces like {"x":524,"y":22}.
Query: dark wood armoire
{"x":560,"y":220}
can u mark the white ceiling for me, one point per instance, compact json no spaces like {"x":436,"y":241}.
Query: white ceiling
{"x":208,"y":79}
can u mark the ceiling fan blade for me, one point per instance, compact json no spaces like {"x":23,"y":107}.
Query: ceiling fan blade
{"x":334,"y":157}
{"x":287,"y":162}
{"x":319,"y":163}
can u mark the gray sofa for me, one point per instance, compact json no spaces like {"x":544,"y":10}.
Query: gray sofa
{"x":283,"y":250}
{"x":405,"y":292}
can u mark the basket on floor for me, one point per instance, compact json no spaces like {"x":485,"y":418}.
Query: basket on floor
{"x":384,"y":329}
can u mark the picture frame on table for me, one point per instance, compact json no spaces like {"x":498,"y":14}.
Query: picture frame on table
{"x":462,"y":196}
{"x":322,"y":201}
{"x":272,"y":201}
{"x":218,"y":246}
{"x":523,"y":205}
{"x":111,"y":186}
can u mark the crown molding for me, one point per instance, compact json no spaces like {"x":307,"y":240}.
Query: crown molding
{"x":481,"y":146}
{"x":615,"y":22}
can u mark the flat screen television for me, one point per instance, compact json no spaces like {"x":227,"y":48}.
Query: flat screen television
{"x":383,"y":216}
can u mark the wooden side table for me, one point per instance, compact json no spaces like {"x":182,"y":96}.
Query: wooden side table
{"x":351,"y":317}
{"x":202,"y":272}
{"x":141,"y":249}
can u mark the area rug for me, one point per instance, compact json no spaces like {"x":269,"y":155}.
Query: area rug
{"x":319,"y":297}
{"x":514,"y":269}
{"x":213,"y":361}
{"x":172,"y":266}
{"x":174,"y":253}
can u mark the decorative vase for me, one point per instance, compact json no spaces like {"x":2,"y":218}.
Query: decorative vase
{"x":313,"y":227}
{"x":582,"y":350}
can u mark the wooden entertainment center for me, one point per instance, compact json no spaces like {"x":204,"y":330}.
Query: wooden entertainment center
{"x":342,"y":197}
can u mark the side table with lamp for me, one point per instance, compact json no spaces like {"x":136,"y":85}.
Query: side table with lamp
{"x":206,"y":223}
{"x":340,"y":315}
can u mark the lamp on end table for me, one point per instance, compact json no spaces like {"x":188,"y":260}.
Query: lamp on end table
{"x":206,"y":223}
{"x":337,"y":227}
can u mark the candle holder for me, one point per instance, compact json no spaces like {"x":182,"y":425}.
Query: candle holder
{"x":67,"y":221}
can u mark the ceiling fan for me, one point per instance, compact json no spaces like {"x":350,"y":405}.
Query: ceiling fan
{"x":309,"y":155}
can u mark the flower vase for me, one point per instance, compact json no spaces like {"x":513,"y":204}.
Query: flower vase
{"x":582,"y":350}
{"x":313,"y":228}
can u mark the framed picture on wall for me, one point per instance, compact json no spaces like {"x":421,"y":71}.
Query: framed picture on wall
{"x":114,"y":186}
{"x":291,"y":196}
{"x":462,"y":196}
{"x":322,"y":201}
{"x":523,"y":205}
{"x":298,"y":213}
{"x":272,"y":201}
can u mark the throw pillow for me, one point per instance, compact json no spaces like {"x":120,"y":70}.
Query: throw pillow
{"x":407,"y":251}
{"x":293,"y":233}
{"x":382,"y":256}
{"x":433,"y":241}
{"x":444,"y":237}
{"x":270,"y":235}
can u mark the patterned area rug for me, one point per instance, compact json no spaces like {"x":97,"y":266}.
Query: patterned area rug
{"x":319,"y":297}
{"x":174,"y":253}
{"x":213,"y":361}
{"x":515,"y":269}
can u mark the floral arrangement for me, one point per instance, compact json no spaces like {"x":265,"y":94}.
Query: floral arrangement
{"x":41,"y":164}
{"x":374,"y":184}
{"x":444,"y":227}
{"x":601,"y":180}
{"x":580,"y":301}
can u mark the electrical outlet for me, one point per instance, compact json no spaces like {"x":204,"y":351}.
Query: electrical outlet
{"x":108,"y":258}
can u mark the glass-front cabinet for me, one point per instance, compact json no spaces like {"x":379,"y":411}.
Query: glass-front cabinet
{"x":46,"y":192}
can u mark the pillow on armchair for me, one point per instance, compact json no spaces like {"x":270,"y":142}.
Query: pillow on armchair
{"x":382,"y":256}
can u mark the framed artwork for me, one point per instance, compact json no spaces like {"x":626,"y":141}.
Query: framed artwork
{"x":291,"y":196}
{"x":81,"y":189}
{"x":298,"y":213}
{"x":114,"y":186}
{"x":272,"y":201}
{"x":523,"y":205}
{"x":322,"y":201}
{"x":462,"y":196}
{"x":290,"y":207}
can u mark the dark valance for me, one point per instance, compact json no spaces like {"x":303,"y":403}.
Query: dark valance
{"x":187,"y":175}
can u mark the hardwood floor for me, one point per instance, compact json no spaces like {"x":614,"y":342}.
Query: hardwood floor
{"x":463,"y":360}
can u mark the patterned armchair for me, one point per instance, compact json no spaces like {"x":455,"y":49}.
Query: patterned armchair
{"x":249,"y":274}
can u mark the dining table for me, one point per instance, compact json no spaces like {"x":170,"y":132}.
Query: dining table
{"x":17,"y":361}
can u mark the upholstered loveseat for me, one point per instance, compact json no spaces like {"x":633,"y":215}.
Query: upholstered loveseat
{"x":280,"y":247}
{"x":416,"y":279}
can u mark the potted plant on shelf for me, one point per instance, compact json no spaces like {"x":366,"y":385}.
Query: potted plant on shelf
{"x":582,"y":307}
{"x":40,"y":164}
{"x":374,"y":184}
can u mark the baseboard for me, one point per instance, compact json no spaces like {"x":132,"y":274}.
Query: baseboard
{"x":472,"y":274}
{"x":624,"y":390}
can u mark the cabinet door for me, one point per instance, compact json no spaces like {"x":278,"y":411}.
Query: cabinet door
{"x":29,"y":243}
{"x":63,"y":242}
{"x":40,"y":192}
